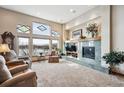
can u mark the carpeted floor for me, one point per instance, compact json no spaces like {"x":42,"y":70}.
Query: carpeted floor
{"x":69,"y":74}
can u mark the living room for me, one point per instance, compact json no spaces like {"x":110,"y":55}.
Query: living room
{"x":57,"y":45}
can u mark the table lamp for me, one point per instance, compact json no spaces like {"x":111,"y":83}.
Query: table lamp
{"x":4,"y":48}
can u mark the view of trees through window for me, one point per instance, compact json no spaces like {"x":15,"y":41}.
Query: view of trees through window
{"x":40,"y":47}
{"x":55,"y":44}
{"x":23,"y":46}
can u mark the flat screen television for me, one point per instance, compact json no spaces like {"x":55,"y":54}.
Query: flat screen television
{"x":71,"y":47}
{"x":68,"y":48}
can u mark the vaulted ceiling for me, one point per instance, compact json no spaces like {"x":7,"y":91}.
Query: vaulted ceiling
{"x":57,"y":13}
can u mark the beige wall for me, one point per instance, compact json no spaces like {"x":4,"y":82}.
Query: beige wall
{"x":99,"y":11}
{"x":118,"y":28}
{"x":9,"y":20}
{"x":97,"y":20}
{"x":117,"y":24}
{"x":117,"y":32}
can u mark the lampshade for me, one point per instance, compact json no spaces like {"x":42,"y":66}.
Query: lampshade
{"x":4,"y":48}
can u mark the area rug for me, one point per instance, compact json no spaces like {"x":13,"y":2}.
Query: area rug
{"x":69,"y":74}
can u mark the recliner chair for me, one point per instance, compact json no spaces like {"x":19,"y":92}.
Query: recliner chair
{"x":13,"y":60}
{"x":13,"y":78}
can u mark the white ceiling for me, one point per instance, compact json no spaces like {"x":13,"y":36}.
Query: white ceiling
{"x":57,"y":13}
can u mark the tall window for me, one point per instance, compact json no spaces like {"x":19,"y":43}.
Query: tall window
{"x":23,"y":28}
{"x":56,"y":34}
{"x":39,"y":38}
{"x":40,"y":47}
{"x":55,"y":44}
{"x":41,"y":29}
{"x":23,"y":46}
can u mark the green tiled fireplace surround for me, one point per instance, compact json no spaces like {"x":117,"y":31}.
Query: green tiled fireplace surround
{"x":92,"y":63}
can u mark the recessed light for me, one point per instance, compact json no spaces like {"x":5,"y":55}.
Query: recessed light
{"x":59,"y":20}
{"x":89,"y":5}
{"x":38,"y":13}
{"x":72,"y":11}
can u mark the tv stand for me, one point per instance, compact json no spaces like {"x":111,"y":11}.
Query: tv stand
{"x":72,"y":53}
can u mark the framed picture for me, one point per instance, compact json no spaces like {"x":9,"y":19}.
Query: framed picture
{"x":76,"y":34}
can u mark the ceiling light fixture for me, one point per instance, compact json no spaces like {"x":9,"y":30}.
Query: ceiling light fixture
{"x":72,"y":11}
{"x":38,"y":13}
{"x":60,"y":20}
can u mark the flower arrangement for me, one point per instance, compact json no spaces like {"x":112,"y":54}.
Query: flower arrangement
{"x":93,"y":29}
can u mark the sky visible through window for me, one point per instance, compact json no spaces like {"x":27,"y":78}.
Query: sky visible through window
{"x":41,"y":29}
{"x":23,"y":28}
{"x":40,"y":42}
{"x":23,"y":41}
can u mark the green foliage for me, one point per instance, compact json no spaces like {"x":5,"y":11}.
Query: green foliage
{"x":92,"y":28}
{"x":59,"y":50}
{"x":114,"y":57}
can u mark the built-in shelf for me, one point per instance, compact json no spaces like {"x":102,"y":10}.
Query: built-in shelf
{"x":89,"y":39}
{"x":83,"y":40}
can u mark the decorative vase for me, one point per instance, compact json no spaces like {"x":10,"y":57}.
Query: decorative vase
{"x":93,"y":35}
{"x":111,"y":67}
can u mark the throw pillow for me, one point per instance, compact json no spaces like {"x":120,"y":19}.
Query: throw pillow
{"x":4,"y":71}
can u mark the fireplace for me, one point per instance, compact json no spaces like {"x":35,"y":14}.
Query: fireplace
{"x":88,"y":52}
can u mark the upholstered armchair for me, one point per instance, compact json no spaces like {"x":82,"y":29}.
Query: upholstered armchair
{"x":14,"y":77}
{"x":13,"y":60}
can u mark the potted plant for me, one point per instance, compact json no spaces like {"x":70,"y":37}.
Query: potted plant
{"x":93,"y":29}
{"x":59,"y":51}
{"x":114,"y":58}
